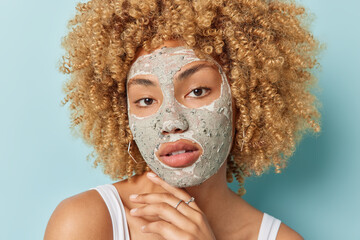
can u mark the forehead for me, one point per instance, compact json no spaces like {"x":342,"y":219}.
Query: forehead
{"x":166,"y":60}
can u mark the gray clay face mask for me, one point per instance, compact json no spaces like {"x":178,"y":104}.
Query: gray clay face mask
{"x":210,"y":126}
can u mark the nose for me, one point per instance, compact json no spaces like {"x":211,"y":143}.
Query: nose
{"x":174,"y":122}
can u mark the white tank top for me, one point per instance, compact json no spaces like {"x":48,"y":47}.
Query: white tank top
{"x":268,"y":229}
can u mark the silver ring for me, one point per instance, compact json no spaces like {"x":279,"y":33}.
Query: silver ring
{"x":178,"y":204}
{"x":190,"y":200}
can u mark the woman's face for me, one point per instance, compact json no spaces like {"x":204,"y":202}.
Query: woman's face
{"x":180,"y":114}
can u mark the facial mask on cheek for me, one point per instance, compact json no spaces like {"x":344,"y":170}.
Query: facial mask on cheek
{"x":209,"y":126}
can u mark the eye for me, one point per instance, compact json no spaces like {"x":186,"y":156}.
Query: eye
{"x":199,"y":92}
{"x":144,"y":102}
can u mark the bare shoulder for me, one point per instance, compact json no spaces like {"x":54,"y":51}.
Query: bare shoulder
{"x":249,"y":220}
{"x":286,"y":232}
{"x":83,"y":216}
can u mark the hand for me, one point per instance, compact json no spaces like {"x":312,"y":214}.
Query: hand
{"x":187,"y":221}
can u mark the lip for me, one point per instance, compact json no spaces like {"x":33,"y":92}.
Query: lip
{"x":180,"y":160}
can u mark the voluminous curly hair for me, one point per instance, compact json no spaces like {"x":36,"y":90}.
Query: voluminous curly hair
{"x":264,"y":47}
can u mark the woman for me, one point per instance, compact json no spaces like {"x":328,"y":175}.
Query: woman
{"x":180,"y":96}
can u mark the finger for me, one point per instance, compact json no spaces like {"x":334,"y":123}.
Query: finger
{"x":166,"y":230}
{"x":153,"y":198}
{"x":165,"y":212}
{"x":150,"y":198}
{"x":177,"y":192}
{"x":145,"y":219}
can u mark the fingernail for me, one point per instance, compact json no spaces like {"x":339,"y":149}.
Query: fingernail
{"x":133,"y":196}
{"x":143,"y":228}
{"x":133,"y":210}
{"x":150,"y":174}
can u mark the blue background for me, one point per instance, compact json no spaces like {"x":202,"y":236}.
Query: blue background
{"x":42,"y":163}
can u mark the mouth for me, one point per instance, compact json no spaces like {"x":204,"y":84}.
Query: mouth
{"x":179,"y":154}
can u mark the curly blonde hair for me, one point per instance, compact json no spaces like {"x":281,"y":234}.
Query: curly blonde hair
{"x":264,"y":47}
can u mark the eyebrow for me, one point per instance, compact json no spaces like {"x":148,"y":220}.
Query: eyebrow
{"x":188,"y":72}
{"x":185,"y":74}
{"x":141,"y":81}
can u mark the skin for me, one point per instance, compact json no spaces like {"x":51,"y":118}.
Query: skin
{"x":155,"y":201}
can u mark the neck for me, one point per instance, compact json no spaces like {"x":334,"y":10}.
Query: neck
{"x":214,"y":189}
